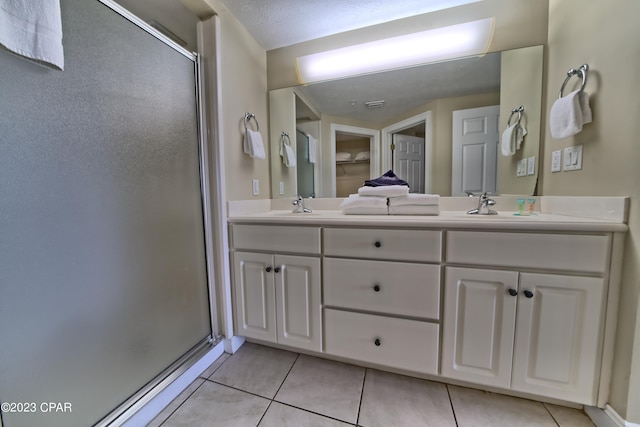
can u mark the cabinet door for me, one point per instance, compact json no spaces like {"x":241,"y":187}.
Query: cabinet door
{"x":299,"y":310}
{"x":479,"y":320}
{"x":254,"y":295}
{"x":558,"y":336}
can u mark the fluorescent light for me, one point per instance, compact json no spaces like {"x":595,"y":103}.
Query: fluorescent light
{"x":441,"y":44}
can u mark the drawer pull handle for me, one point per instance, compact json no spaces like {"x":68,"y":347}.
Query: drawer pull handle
{"x":376,"y":288}
{"x":513,"y":292}
{"x":378,"y":244}
{"x":277,"y":269}
{"x":377,"y":342}
{"x":268,"y":269}
{"x":528,"y":294}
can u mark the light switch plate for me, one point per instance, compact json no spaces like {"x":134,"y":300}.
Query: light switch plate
{"x":572,"y":158}
{"x":255,"y":184}
{"x":556,"y":161}
{"x":281,"y":188}
{"x":531,"y":165}
{"x":521,"y":168}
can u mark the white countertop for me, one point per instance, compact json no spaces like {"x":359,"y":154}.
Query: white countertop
{"x":605,"y":214}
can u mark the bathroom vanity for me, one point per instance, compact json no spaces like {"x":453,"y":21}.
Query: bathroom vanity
{"x":525,"y":305}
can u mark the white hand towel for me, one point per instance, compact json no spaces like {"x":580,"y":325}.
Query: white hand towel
{"x":508,"y":145}
{"x":253,"y":144}
{"x":520,"y":133}
{"x":312,"y":149}
{"x":417,"y":199}
{"x":568,"y":114}
{"x":288,"y":155}
{"x":414,"y":210}
{"x":384,"y":191}
{"x":587,"y":116}
{"x":33,"y":29}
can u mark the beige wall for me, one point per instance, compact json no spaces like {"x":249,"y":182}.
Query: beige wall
{"x":282,"y":111}
{"x":244,"y":89}
{"x":518,"y":23}
{"x":521,"y":84}
{"x":604,"y":34}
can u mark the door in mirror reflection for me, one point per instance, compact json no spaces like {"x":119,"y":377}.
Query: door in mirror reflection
{"x":304,"y":166}
{"x":408,"y":160}
{"x":474,"y":150}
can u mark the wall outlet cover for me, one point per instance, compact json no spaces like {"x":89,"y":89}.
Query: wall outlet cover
{"x":521,"y":168}
{"x":255,"y":187}
{"x":556,"y":161}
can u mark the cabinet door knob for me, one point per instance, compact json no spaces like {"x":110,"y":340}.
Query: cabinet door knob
{"x":528,"y":294}
{"x":277,"y":269}
{"x":378,"y":244}
{"x":377,"y":342}
{"x":513,"y":292}
{"x":376,"y":288}
{"x":268,"y":269}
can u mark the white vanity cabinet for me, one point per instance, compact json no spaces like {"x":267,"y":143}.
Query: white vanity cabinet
{"x":379,"y":309}
{"x":278,"y":296}
{"x":527,"y":330}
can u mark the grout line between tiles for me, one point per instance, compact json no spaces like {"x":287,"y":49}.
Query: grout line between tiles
{"x":315,"y":413}
{"x":455,"y":419}
{"x":264,"y":413}
{"x":286,"y":376}
{"x":181,"y":403}
{"x":364,"y":379}
{"x":550,"y":414}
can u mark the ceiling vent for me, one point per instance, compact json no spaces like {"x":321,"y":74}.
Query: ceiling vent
{"x":374,"y":104}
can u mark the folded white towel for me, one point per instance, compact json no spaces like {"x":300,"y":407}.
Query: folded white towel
{"x":343,"y":157}
{"x":384,"y":191}
{"x":416,"y":199}
{"x":366,"y":211}
{"x":568,"y":114}
{"x":363,"y":155}
{"x":312,"y":148}
{"x":356,"y":201}
{"x":253,"y":144}
{"x":414,"y":210}
{"x":288,"y":155}
{"x":33,"y":29}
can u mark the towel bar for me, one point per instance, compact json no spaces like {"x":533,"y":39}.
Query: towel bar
{"x":581,"y":72}
{"x":247,"y":118}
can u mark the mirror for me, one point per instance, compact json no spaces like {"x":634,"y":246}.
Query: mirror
{"x":418,"y":102}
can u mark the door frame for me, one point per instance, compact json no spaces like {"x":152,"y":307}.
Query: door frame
{"x":387,"y":139}
{"x":374,"y":143}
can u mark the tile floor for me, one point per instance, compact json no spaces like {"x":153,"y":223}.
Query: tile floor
{"x":267,"y":387}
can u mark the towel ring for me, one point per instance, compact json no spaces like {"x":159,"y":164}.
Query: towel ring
{"x":519,"y":111}
{"x":247,"y":119}
{"x":284,"y":139}
{"x":582,"y":72}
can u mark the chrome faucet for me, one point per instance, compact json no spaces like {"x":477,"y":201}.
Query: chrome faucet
{"x":299,"y":207}
{"x":483,"y":205}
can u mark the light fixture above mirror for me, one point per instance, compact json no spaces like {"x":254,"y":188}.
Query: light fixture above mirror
{"x":436,"y":45}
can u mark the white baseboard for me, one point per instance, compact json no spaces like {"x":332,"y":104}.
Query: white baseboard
{"x":231,"y":345}
{"x":160,"y":401}
{"x":607,"y":417}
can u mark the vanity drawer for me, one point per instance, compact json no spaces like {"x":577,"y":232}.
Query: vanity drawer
{"x":397,"y":343}
{"x":385,"y":287}
{"x":584,"y":253}
{"x":276,"y":238}
{"x":400,"y":245}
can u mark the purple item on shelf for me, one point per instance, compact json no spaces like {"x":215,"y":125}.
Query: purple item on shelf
{"x":389,"y":178}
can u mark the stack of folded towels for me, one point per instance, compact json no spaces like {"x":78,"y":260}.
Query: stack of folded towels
{"x":389,"y":195}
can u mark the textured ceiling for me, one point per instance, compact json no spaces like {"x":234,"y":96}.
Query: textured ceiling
{"x":403,"y":90}
{"x":279,"y":23}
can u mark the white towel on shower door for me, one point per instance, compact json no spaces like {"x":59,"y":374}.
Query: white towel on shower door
{"x":33,"y":29}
